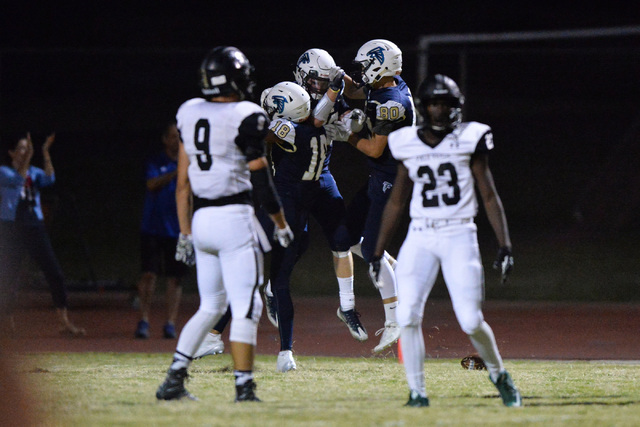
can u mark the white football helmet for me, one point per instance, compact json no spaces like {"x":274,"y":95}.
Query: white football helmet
{"x":287,"y":100}
{"x":378,"y":58}
{"x":312,"y":71}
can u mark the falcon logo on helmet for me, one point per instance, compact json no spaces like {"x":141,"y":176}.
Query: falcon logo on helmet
{"x":289,"y":101}
{"x":304,"y":59}
{"x":376,"y":54}
{"x":279,"y":102}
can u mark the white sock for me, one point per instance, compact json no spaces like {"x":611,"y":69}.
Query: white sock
{"x":179,"y":362}
{"x":485,"y":344}
{"x":243,"y":376}
{"x":413,"y":354}
{"x":388,"y":279}
{"x":347,"y":297}
{"x":390,"y":311}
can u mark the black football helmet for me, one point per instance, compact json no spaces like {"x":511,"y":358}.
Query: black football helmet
{"x":226,"y":70}
{"x":441,"y":87}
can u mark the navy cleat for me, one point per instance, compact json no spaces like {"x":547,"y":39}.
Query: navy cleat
{"x":142,"y":330}
{"x":272,"y":314}
{"x":169,"y":331}
{"x":352,"y":319}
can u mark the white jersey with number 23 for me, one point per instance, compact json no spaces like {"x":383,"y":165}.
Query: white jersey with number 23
{"x":443,"y":181}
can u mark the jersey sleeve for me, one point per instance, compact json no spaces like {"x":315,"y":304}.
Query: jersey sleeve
{"x":286,"y":134}
{"x":389,"y":117}
{"x":485,"y":143}
{"x":251,"y":134}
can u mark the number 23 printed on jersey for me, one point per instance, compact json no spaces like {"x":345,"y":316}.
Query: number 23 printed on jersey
{"x":432,"y":196}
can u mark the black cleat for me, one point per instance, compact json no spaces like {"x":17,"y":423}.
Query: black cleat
{"x":173,"y":386}
{"x":416,"y":400}
{"x":247,"y":392}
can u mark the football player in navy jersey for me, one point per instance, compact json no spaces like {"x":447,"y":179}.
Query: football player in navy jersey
{"x":300,"y":154}
{"x":389,"y":106}
{"x":318,"y":73}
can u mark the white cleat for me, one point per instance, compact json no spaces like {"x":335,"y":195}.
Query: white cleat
{"x":285,"y":361}
{"x":390,"y":334}
{"x":212,"y":344}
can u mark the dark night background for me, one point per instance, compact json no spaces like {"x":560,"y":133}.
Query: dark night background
{"x":565,"y":115}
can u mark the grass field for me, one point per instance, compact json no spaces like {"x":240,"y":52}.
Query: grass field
{"x":81,"y":389}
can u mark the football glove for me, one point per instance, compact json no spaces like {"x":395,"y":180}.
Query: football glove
{"x":503,"y":263}
{"x":184,"y":250}
{"x":374,"y":271}
{"x":284,"y":236}
{"x":355,"y":120}
{"x":336,"y":83}
{"x":338,"y":130}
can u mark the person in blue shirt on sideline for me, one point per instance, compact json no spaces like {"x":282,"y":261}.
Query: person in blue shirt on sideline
{"x":22,"y":229}
{"x":159,"y":235}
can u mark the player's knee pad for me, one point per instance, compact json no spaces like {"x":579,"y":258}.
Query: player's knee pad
{"x":244,"y":330}
{"x":341,"y":254}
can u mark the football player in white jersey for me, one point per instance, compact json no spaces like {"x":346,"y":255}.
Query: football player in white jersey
{"x":221,"y":161}
{"x":440,"y":161}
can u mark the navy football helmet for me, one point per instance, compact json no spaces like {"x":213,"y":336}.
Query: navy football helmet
{"x":226,"y":70}
{"x":440,"y":87}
